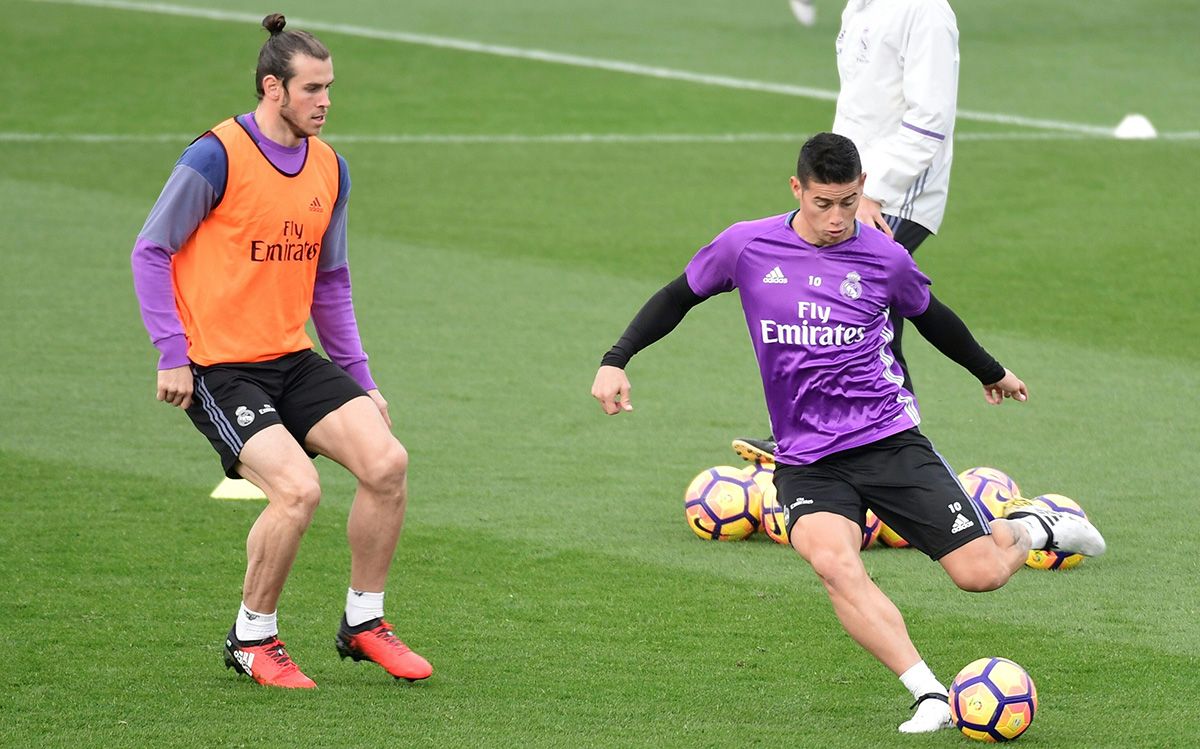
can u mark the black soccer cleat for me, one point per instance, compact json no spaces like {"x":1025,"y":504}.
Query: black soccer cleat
{"x":755,"y":451}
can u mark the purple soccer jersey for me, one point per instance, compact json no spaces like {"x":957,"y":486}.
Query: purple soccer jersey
{"x":817,"y":317}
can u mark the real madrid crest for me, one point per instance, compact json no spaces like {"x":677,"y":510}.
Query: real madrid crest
{"x":851,"y":288}
{"x":244,"y":416}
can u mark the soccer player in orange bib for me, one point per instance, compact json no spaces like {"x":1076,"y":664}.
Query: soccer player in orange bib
{"x":246,"y":242}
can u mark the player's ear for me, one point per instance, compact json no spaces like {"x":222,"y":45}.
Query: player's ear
{"x":797,"y":188}
{"x":272,"y":87}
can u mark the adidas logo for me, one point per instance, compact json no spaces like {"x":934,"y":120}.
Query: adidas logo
{"x":960,"y":524}
{"x":315,"y":206}
{"x":775,"y":276}
{"x":244,"y":658}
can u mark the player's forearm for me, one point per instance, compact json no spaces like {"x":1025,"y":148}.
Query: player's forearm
{"x":156,"y":298}
{"x":337,"y":328}
{"x":661,"y":314}
{"x":949,"y":334}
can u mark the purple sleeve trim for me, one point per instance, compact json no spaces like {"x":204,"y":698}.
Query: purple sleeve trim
{"x":922,"y":131}
{"x":156,"y":297}
{"x":333,"y":317}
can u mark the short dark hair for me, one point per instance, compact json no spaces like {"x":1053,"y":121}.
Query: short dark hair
{"x":275,"y":57}
{"x":828,"y":158}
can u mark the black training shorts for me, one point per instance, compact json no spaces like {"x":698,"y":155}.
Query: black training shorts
{"x":233,"y":402}
{"x":901,"y":478}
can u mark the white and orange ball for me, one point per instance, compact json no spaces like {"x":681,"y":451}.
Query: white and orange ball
{"x":872,"y":526}
{"x":723,"y":504}
{"x":990,"y":488}
{"x":891,"y":538}
{"x":763,"y":474}
{"x":774,"y":521}
{"x":993,"y":699}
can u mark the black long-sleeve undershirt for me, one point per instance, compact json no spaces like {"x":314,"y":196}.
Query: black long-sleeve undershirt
{"x":658,"y":316}
{"x":938,"y":324}
{"x":949,"y":334}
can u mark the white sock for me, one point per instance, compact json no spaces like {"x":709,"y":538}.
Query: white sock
{"x":251,"y":625}
{"x":920,"y":680}
{"x":932,"y":715}
{"x":1037,"y":532}
{"x":362,"y":606}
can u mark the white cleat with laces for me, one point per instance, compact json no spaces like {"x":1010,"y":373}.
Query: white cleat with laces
{"x":1065,"y":532}
{"x":933,"y":714}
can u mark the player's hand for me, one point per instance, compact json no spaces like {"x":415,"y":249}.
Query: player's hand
{"x":871,"y":213}
{"x":611,"y":387}
{"x":175,"y":386}
{"x":382,"y":403}
{"x":1010,"y":386}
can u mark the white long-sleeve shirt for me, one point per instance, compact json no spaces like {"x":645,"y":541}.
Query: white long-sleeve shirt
{"x":898,"y":65}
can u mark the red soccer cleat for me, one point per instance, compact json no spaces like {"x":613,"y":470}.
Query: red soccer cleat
{"x":374,"y":641}
{"x":265,"y":661}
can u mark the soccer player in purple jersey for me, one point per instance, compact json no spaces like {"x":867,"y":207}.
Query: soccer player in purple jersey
{"x":816,"y":288}
{"x":897,"y":65}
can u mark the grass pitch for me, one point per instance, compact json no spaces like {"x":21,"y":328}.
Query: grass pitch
{"x":545,"y":569}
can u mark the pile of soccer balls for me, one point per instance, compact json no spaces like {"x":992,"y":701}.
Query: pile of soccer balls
{"x":992,"y":490}
{"x":726,"y":503}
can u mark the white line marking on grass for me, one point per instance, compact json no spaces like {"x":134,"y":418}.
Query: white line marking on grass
{"x":558,"y":58}
{"x":559,"y":138}
{"x":94,"y":138}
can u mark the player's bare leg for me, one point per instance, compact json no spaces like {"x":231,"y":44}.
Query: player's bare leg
{"x":987,"y":563}
{"x":830,"y":543}
{"x":357,"y":436}
{"x":275,"y":463}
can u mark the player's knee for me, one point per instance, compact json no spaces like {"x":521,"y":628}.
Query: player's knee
{"x":837,"y":568}
{"x":298,"y":497}
{"x":979,"y":566}
{"x":386,"y":472}
{"x":980,"y":579}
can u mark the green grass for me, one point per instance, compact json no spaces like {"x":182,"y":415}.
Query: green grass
{"x":545,"y":568}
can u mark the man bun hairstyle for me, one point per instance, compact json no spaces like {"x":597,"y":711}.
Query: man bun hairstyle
{"x":828,"y":158}
{"x":275,"y":57}
{"x":274,"y":23}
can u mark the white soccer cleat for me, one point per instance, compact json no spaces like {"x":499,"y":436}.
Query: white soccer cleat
{"x":805,"y":11}
{"x":1066,"y":533}
{"x":933,"y":714}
